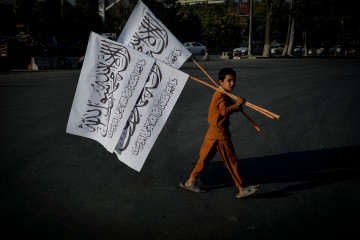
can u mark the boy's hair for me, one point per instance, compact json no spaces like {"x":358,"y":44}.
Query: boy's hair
{"x":226,"y":71}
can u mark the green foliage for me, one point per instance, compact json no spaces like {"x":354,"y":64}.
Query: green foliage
{"x":44,"y":19}
{"x":329,"y":22}
{"x":259,"y":21}
{"x":280,"y":23}
{"x":217,"y":26}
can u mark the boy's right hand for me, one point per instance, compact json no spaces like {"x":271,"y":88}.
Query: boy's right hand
{"x":240,"y":101}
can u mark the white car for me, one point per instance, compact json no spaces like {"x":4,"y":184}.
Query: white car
{"x":196,"y":48}
{"x":336,"y":48}
{"x":299,"y":50}
{"x":240,"y":51}
{"x":320,"y":51}
{"x":277,"y":49}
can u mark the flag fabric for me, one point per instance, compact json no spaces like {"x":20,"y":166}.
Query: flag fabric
{"x":147,"y":34}
{"x":112,"y":78}
{"x":127,"y":89}
{"x":162,"y":89}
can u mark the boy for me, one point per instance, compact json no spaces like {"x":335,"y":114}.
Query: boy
{"x":218,"y":136}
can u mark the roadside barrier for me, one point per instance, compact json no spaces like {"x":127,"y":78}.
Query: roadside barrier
{"x":228,"y":55}
{"x":206,"y":57}
{"x":39,"y":63}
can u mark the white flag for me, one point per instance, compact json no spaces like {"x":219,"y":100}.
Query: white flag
{"x":111,"y":80}
{"x":151,"y":111}
{"x":147,"y":34}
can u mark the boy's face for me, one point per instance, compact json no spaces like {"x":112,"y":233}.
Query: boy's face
{"x":228,"y":83}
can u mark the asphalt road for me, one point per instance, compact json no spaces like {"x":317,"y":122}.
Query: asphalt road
{"x":60,"y":186}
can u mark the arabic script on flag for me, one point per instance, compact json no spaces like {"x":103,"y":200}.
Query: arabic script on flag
{"x":111,"y":80}
{"x":147,"y":34}
{"x":150,"y":113}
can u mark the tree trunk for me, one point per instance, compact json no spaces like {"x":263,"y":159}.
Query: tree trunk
{"x":292,"y":34}
{"x":267,"y":42}
{"x":288,"y":31}
{"x":287,"y":37}
{"x":305,"y":43}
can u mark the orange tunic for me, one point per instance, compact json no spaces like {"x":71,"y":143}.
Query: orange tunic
{"x":218,"y":137}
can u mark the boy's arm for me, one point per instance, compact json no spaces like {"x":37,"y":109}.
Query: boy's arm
{"x":225,"y":109}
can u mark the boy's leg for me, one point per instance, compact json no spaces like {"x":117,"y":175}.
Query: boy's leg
{"x":207,"y":152}
{"x":227,"y":153}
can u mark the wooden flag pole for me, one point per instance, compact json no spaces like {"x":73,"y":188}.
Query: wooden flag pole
{"x":218,"y":89}
{"x":257,"y":108}
{"x":204,"y":72}
{"x":252,"y":122}
{"x":232,"y":96}
{"x":262,"y":109}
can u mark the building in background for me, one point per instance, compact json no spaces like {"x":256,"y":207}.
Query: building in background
{"x":191,"y":2}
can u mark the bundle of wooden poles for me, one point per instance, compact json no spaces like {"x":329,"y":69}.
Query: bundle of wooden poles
{"x":250,"y":105}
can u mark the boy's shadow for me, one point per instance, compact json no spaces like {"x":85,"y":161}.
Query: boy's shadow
{"x":310,"y":168}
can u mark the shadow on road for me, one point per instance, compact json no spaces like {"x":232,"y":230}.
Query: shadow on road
{"x":312,"y":168}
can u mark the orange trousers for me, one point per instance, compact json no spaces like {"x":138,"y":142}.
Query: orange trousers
{"x":227,"y":153}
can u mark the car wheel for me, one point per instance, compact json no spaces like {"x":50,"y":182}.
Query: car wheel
{"x":202,"y":52}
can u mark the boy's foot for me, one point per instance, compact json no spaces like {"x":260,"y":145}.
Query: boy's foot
{"x":248,"y":191}
{"x":193,"y":188}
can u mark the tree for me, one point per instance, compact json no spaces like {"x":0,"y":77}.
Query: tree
{"x":324,"y":23}
{"x":291,"y":30}
{"x":271,"y":7}
{"x":215,"y":25}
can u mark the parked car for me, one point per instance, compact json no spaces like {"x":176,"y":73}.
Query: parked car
{"x":320,"y":51}
{"x":335,"y":48}
{"x":196,"y":48}
{"x":351,"y":51}
{"x":299,"y":50}
{"x":3,"y":52}
{"x":311,"y":51}
{"x":324,"y":49}
{"x":3,"y":46}
{"x":240,"y":51}
{"x":277,"y":49}
{"x":257,"y":48}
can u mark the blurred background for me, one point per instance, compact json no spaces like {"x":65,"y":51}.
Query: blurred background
{"x":57,"y":31}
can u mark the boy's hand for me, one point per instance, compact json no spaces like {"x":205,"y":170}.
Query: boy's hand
{"x":240,"y":101}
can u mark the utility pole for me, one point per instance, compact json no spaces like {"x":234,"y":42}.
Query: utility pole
{"x":246,"y":11}
{"x":104,"y":6}
{"x":102,"y":13}
{"x":62,"y":11}
{"x":250,"y":27}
